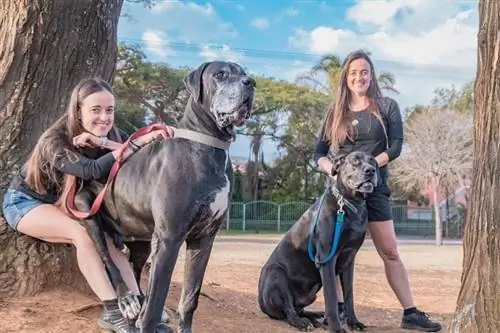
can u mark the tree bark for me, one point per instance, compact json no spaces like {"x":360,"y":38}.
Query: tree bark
{"x":437,"y":214}
{"x":46,"y":47}
{"x":478,"y":304}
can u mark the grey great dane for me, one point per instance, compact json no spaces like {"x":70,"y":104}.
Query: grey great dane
{"x":175,"y":191}
{"x":299,"y":265}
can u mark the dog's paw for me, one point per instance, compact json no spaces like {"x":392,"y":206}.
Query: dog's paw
{"x":317,"y":323}
{"x":164,"y":317}
{"x":304,"y":325}
{"x":130,"y":306}
{"x":356,"y":325}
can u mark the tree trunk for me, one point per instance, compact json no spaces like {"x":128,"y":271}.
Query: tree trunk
{"x":478,"y":304}
{"x":46,"y":47}
{"x":437,"y":214}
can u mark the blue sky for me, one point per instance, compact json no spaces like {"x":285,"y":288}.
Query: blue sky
{"x":426,"y":44}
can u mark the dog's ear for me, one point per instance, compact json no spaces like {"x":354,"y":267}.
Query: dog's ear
{"x":194,"y":82}
{"x":337,"y":162}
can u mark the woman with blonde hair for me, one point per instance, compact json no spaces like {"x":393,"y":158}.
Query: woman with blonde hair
{"x":362,"y":119}
{"x":82,"y":144}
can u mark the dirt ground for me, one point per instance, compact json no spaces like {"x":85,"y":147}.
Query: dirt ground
{"x":231,"y":287}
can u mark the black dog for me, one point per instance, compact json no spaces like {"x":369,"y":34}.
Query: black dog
{"x":290,"y":280}
{"x":176,"y":191}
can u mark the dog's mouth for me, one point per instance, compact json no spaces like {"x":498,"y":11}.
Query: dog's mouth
{"x":237,"y":117}
{"x":365,"y":186}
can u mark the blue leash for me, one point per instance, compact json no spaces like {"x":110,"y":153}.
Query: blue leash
{"x":337,"y":231}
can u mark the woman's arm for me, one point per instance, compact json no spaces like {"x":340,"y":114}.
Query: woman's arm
{"x":394,"y":135}
{"x":394,"y":132}
{"x":89,"y":169}
{"x":321,"y":156}
{"x":85,"y":168}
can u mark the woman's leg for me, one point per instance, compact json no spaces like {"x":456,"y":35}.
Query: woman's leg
{"x":48,"y":223}
{"x":384,"y":239}
{"x":381,"y":228}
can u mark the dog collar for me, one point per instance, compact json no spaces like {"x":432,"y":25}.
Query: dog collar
{"x":201,"y":138}
{"x":341,"y":200}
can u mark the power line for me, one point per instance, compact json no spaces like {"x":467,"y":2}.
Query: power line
{"x":280,"y":56}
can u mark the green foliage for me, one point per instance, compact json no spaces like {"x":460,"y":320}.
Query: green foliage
{"x":147,"y":92}
{"x":459,"y":100}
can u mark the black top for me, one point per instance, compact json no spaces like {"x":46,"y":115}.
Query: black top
{"x":369,"y":134}
{"x":92,"y":164}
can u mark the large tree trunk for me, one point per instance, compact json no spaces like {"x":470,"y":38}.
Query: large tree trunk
{"x":478,"y":305}
{"x":46,"y":47}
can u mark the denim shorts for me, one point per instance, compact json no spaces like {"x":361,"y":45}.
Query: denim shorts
{"x":16,"y":204}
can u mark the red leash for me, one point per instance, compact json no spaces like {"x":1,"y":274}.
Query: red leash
{"x":70,"y":202}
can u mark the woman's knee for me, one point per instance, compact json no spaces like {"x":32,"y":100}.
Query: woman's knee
{"x":81,"y":239}
{"x":390,"y":253}
{"x":384,"y":239}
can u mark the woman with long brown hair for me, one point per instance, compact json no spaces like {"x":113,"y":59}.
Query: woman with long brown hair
{"x":82,"y":144}
{"x":362,"y":119}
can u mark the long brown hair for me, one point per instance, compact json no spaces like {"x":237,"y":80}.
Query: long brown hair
{"x":56,"y":141}
{"x":337,"y":126}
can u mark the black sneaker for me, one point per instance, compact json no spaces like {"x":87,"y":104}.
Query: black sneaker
{"x":112,"y":320}
{"x":419,"y":321}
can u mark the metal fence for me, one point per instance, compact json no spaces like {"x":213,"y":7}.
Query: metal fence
{"x":271,"y":217}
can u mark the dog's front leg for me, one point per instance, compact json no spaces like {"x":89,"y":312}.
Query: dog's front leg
{"x":164,"y":256}
{"x":327,"y":271}
{"x":330,"y":293}
{"x":197,"y":255}
{"x":129,"y":304}
{"x":347,"y":280}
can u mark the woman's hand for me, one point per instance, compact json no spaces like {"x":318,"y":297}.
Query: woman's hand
{"x":154,"y":135}
{"x":382,"y":159}
{"x":86,"y":140}
{"x":161,"y":134}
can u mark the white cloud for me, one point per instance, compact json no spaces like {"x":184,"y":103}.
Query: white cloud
{"x":156,"y":43}
{"x":260,"y":23}
{"x":378,"y":13}
{"x":193,"y":22}
{"x":223,"y":52}
{"x":425,"y":48}
{"x":291,"y":12}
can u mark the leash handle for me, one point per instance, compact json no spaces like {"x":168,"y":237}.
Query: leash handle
{"x":96,"y":205}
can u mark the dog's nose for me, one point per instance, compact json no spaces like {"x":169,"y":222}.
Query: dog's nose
{"x":247,"y":80}
{"x":369,"y":170}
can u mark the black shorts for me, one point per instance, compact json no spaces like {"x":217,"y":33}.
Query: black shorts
{"x":378,"y":205}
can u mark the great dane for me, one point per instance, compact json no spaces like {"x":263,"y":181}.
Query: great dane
{"x":290,"y":279}
{"x":175,"y":191}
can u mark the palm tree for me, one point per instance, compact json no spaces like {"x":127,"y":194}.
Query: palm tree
{"x":328,"y":68}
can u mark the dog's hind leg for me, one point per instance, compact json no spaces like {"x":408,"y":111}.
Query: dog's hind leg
{"x":276,"y":299}
{"x":346,"y":279}
{"x":197,"y":255}
{"x":139,"y":253}
{"x":316,"y":317}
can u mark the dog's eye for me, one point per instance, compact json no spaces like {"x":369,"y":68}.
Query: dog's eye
{"x":220,"y":75}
